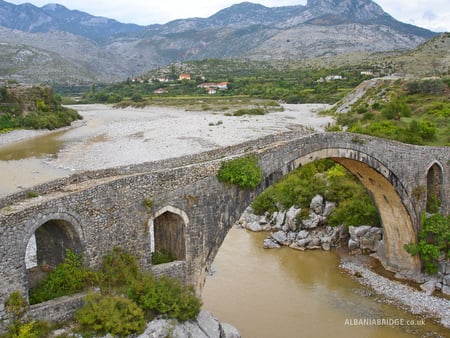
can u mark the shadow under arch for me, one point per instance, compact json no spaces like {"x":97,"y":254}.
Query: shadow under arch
{"x":398,"y":218}
{"x":47,"y":239}
{"x":168,"y":232}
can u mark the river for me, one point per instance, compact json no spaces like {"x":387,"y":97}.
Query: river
{"x":264,"y":293}
{"x":282,"y":293}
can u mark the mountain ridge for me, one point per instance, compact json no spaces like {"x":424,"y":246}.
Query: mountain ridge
{"x":108,"y":50}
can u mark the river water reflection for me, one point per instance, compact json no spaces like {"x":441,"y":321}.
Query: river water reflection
{"x":286,"y":293}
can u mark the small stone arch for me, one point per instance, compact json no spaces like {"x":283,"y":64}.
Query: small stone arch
{"x":168,"y":232}
{"x":434,"y":177}
{"x":46,"y":242}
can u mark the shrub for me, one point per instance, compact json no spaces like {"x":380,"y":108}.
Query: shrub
{"x":116,"y":315}
{"x":434,"y":241}
{"x":118,"y":269}
{"x":68,"y":278}
{"x":252,"y":111}
{"x":162,"y":257}
{"x":16,"y":304}
{"x":33,"y":329}
{"x":165,"y":296}
{"x":244,"y":172}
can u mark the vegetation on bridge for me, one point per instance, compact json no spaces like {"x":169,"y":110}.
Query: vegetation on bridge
{"x":243,"y":171}
{"x":434,"y":242}
{"x":127,"y":299}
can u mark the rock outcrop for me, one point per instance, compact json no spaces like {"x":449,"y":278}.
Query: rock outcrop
{"x":204,"y":326}
{"x":292,"y":228}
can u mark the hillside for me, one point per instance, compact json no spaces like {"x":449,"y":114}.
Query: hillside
{"x":101,"y":49}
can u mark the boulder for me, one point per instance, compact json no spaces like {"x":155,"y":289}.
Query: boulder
{"x":253,"y":226}
{"x":446,"y":280}
{"x":281,"y":238}
{"x":314,"y":243}
{"x":291,"y":218}
{"x":329,"y":208}
{"x":270,"y":244}
{"x":352,"y":244}
{"x":279,"y":219}
{"x":370,"y":239}
{"x":205,"y":326}
{"x":317,"y":204}
{"x":302,"y":234}
{"x":361,"y":230}
{"x":229,"y":331}
{"x":445,"y":290}
{"x":312,"y":221}
{"x":429,"y":287}
{"x":303,"y":242}
{"x":325,"y":242}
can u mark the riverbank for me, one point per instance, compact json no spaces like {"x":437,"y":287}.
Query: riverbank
{"x":399,"y":294}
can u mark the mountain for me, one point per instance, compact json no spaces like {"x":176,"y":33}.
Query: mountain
{"x":107,"y":50}
{"x":54,"y":17}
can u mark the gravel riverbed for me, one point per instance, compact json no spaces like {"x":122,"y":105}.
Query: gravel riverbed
{"x":399,"y":294}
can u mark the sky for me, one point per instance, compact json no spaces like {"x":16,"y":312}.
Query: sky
{"x":430,"y":14}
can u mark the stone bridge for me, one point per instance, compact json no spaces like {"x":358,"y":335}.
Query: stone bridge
{"x":179,"y":205}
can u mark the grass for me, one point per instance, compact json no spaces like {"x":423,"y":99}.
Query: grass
{"x":206,"y":103}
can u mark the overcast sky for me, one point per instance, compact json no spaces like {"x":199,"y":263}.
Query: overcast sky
{"x":431,"y":14}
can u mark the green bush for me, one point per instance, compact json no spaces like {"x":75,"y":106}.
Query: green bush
{"x":33,"y":329}
{"x":434,"y":242}
{"x":162,"y":257}
{"x":165,"y":296}
{"x":252,"y":111}
{"x":116,"y":315}
{"x":243,"y":172}
{"x":118,"y":269}
{"x":16,"y":305}
{"x":68,"y":278}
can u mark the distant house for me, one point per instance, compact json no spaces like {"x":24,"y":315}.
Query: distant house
{"x":160,"y":91}
{"x":209,"y":86}
{"x":367,"y":72}
{"x":333,"y":78}
{"x":184,"y":77}
{"x":163,"y":79}
{"x":222,"y":85}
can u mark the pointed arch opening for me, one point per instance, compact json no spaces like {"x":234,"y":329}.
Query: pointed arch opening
{"x":434,"y":188}
{"x":47,"y":248}
{"x":168,"y":232}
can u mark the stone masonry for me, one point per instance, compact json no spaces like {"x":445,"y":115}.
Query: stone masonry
{"x":93,"y":212}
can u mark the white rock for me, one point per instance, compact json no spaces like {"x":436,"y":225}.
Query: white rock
{"x":291,"y":220}
{"x":352,"y":244}
{"x":270,"y":244}
{"x":429,"y":287}
{"x":329,"y":208}
{"x":317,"y":204}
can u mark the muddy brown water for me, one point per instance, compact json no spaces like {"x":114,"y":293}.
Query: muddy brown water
{"x":286,"y":293}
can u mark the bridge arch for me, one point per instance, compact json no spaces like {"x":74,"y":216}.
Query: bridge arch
{"x":54,"y":233}
{"x":395,"y":206}
{"x":168,"y":232}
